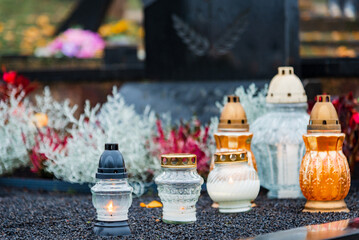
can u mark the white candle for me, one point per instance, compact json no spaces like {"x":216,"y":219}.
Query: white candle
{"x":179,"y":187}
{"x":233,"y":186}
{"x":287,"y":170}
{"x":177,"y":213}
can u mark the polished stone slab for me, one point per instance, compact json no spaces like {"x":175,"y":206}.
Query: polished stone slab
{"x":182,"y":99}
{"x":343,"y":229}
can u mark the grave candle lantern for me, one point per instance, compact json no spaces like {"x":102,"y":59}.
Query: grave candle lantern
{"x":111,"y":195}
{"x":233,"y":130}
{"x":324,"y":172}
{"x":179,"y":187}
{"x":277,"y":141}
{"x":233,"y":183}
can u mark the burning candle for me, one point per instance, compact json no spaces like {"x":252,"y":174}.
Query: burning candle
{"x":179,"y":187}
{"x":110,"y":207}
{"x":111,"y":195}
{"x":233,"y":183}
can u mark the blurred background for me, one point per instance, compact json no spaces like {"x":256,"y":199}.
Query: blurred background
{"x":144,"y":42}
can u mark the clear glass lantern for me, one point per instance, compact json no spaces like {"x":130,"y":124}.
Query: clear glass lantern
{"x":111,"y":195}
{"x":233,"y":183}
{"x":179,"y":187}
{"x":233,"y":130}
{"x":324,"y":173}
{"x":277,"y":141}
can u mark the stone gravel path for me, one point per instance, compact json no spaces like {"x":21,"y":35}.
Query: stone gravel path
{"x":41,"y":215}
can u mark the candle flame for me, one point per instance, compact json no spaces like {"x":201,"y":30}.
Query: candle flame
{"x":110,"y":207}
{"x":230,"y":181}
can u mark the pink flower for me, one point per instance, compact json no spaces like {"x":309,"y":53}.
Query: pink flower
{"x":77,"y":43}
{"x":70,"y":49}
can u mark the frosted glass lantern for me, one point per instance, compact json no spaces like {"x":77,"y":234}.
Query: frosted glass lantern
{"x":233,"y":183}
{"x":277,"y":135}
{"x":324,"y":174}
{"x":111,"y":195}
{"x":179,"y":187}
{"x":233,"y":130}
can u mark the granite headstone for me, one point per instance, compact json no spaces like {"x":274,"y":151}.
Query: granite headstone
{"x":220,"y":39}
{"x":182,"y":99}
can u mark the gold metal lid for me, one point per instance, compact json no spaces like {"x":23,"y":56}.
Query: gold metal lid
{"x":179,"y":160}
{"x":324,"y":117}
{"x":233,"y":115}
{"x":230,"y":157}
{"x":286,"y":87}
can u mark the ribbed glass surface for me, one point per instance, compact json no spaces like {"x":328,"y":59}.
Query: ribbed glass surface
{"x":279,"y":148}
{"x":112,"y":198}
{"x":325,"y":173}
{"x":233,"y":186}
{"x":179,"y":190}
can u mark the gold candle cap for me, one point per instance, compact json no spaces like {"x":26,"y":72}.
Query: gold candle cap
{"x":324,"y":117}
{"x":178,"y":160}
{"x":230,"y":157}
{"x":286,"y":87}
{"x":233,"y":115}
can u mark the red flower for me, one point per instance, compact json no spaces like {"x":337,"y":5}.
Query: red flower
{"x":354,"y":120}
{"x":14,"y":81}
{"x":9,"y":77}
{"x":22,"y":81}
{"x":37,"y":159}
{"x":186,"y":138}
{"x":347,"y":108}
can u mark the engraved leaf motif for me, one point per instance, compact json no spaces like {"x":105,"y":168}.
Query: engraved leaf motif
{"x":232,"y":34}
{"x":198,"y":44}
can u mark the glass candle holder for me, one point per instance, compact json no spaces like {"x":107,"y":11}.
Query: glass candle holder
{"x":277,"y":141}
{"x":179,"y":187}
{"x":324,"y":172}
{"x":111,"y":195}
{"x":233,"y":130}
{"x":233,"y":183}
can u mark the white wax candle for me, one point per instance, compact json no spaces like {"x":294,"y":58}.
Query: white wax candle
{"x":288,"y":163}
{"x":238,"y":191}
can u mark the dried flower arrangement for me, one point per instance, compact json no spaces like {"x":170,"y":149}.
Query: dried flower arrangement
{"x":58,"y":143}
{"x":189,"y":137}
{"x":347,"y":108}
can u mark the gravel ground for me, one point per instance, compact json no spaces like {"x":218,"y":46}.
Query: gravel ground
{"x":40,"y":215}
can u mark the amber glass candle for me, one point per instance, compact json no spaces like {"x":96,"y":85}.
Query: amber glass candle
{"x":324,"y":174}
{"x":235,"y":142}
{"x":233,"y":130}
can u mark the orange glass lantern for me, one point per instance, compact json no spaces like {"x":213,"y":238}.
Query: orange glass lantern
{"x":233,"y":130}
{"x":324,"y":174}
